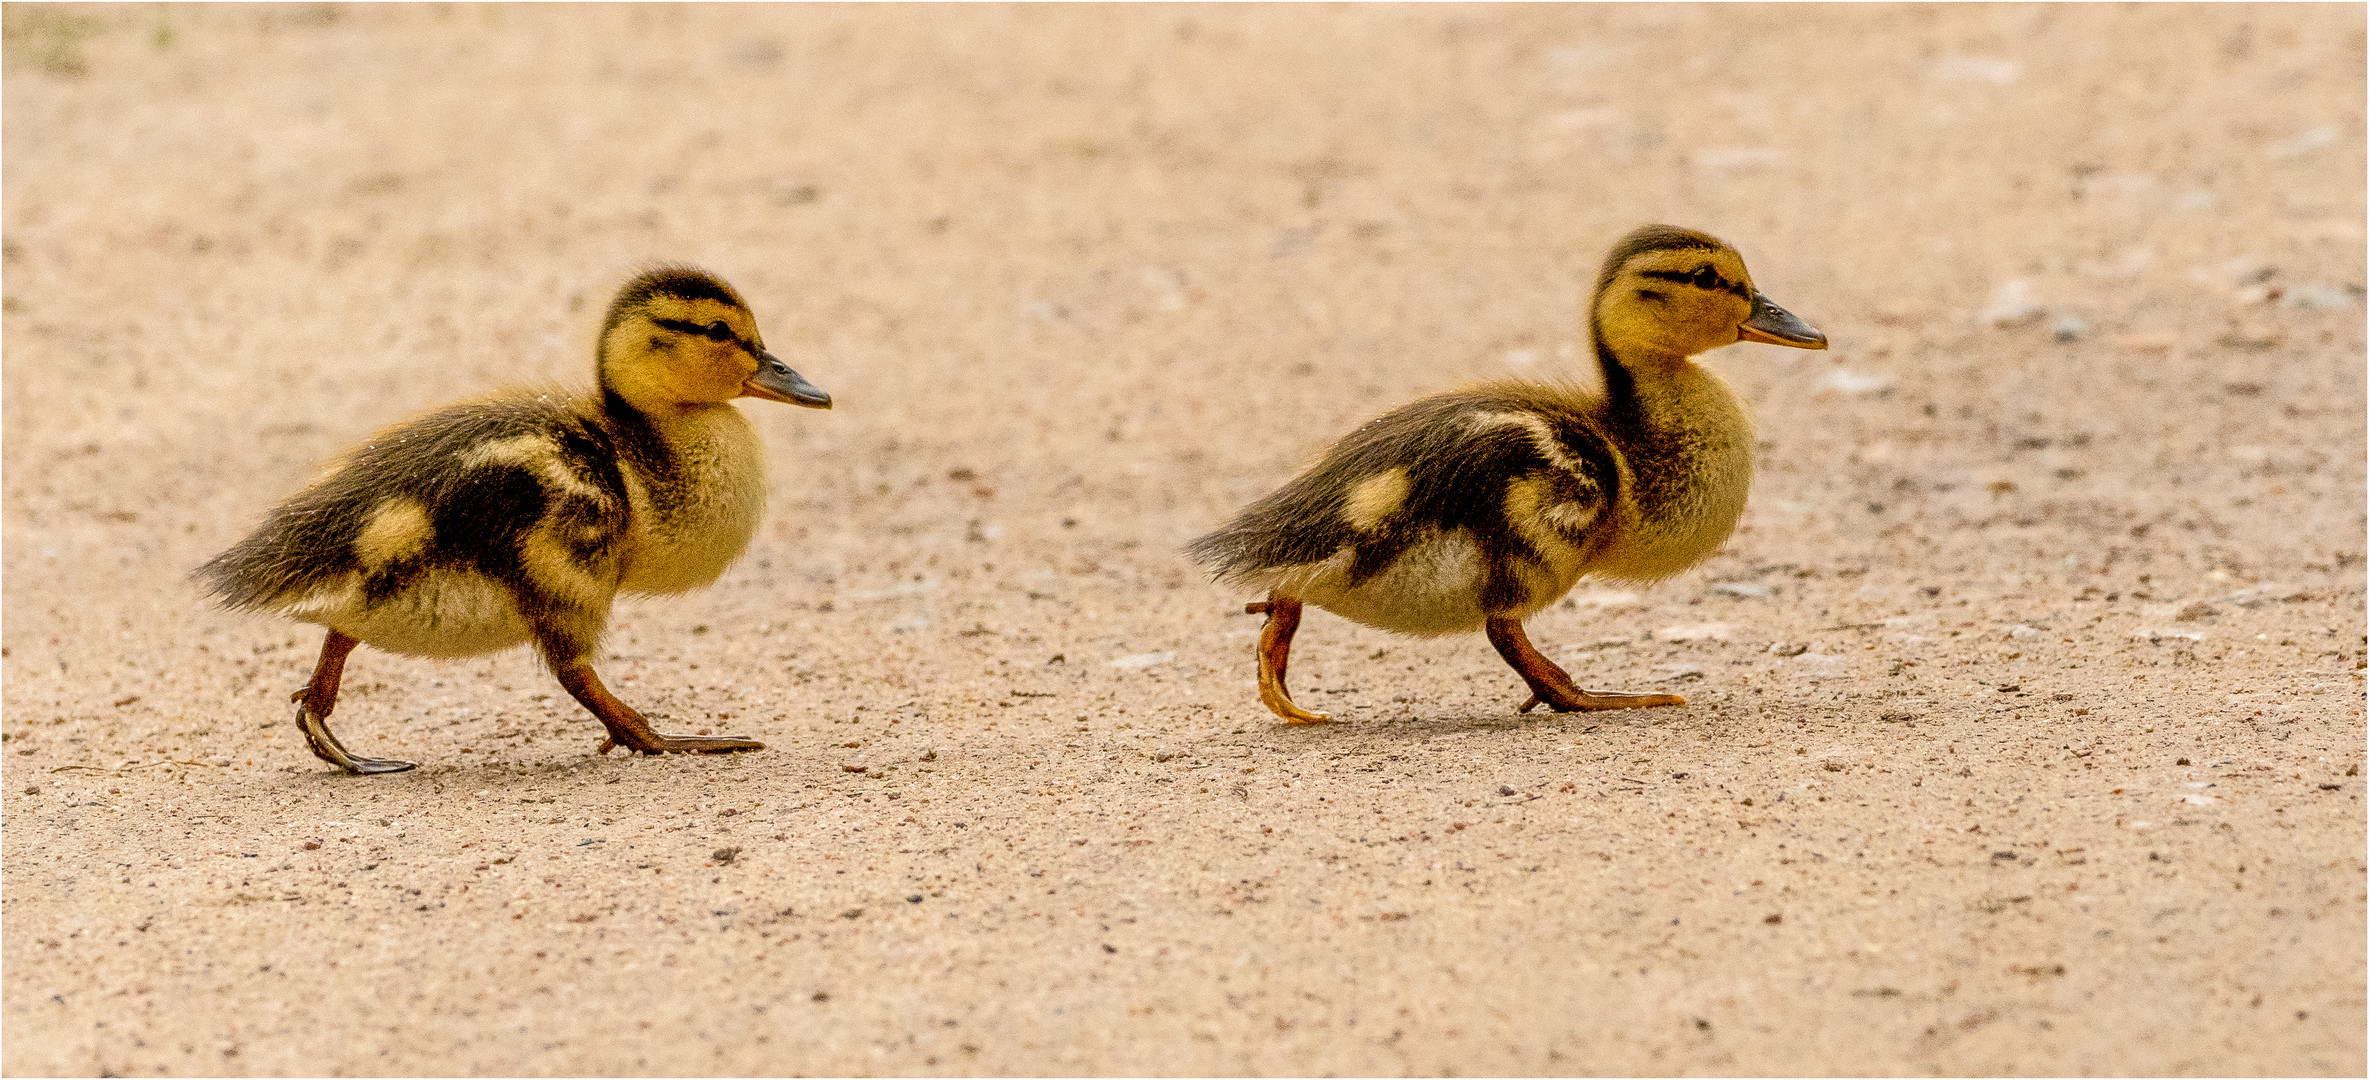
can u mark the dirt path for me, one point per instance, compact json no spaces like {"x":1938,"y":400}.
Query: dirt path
{"x":2027,"y":706}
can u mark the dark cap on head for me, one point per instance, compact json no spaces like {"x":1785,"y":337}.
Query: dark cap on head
{"x":1654,"y":238}
{"x":685,"y":282}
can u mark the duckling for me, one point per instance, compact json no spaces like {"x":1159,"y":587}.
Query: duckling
{"x":1481,"y":506}
{"x":518,"y":518}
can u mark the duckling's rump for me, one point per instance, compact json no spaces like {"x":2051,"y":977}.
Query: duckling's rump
{"x":1434,"y":517}
{"x":471,"y":529}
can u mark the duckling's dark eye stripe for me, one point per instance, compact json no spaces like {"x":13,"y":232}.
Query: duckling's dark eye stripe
{"x":1717,"y":282}
{"x":713,"y":331}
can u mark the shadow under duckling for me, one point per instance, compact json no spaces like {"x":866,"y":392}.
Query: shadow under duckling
{"x":518,"y":518}
{"x":1477,"y":508}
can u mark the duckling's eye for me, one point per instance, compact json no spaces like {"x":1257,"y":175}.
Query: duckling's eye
{"x":718,"y":331}
{"x":1706,"y":278}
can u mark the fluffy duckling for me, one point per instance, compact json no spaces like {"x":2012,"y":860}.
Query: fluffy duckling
{"x":519,"y":518}
{"x":1478,"y":507}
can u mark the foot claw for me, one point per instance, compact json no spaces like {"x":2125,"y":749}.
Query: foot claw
{"x":1532,"y":703}
{"x":371,"y":766}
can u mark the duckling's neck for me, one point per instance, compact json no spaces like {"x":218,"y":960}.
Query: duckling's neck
{"x":1655,"y":394}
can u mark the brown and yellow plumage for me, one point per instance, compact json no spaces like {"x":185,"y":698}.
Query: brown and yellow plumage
{"x":1476,"y":508}
{"x":519,"y":518}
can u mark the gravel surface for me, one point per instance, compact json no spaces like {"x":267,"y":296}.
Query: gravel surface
{"x":2026,"y":706}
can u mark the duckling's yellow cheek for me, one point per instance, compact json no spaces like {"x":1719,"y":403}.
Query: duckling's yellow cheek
{"x":398,"y":529}
{"x":1374,"y":499}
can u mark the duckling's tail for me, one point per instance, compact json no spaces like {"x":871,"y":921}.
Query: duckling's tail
{"x":1260,"y":543}
{"x":300,"y":547}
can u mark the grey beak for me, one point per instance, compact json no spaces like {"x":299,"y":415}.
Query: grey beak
{"x":775,"y":381}
{"x":1777,"y":326}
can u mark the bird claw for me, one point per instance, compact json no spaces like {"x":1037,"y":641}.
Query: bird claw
{"x":1530,"y":704}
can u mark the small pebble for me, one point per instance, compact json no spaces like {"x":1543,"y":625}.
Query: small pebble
{"x":2069,"y":328}
{"x":2013,"y":303}
{"x":724,"y":855}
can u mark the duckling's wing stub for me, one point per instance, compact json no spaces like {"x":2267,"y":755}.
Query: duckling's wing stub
{"x":400,"y":544}
{"x":1501,"y":468}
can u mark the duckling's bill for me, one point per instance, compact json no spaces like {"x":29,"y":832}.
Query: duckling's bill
{"x":1776,"y":326}
{"x":774,"y":381}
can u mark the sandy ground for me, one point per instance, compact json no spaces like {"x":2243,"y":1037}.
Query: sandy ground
{"x":2027,"y":707}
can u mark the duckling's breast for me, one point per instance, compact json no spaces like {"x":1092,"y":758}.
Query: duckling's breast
{"x":696,"y":504}
{"x":1686,"y":461}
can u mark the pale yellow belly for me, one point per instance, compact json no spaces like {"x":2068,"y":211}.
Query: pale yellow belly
{"x":443,"y":614}
{"x":1434,"y":587}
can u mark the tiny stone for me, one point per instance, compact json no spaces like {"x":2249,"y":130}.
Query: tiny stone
{"x":1505,"y":789}
{"x":2013,"y":303}
{"x":2069,"y":328}
{"x":724,"y":855}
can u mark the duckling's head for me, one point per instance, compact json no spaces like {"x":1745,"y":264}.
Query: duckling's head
{"x":1668,"y":293}
{"x":678,"y":338}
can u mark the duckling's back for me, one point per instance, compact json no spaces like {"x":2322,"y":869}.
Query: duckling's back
{"x":457,"y":533}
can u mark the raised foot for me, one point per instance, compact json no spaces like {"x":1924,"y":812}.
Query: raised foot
{"x":1283,"y":620}
{"x":1282,"y":705}
{"x":327,"y":748}
{"x":682,"y":744}
{"x":1600,"y":701}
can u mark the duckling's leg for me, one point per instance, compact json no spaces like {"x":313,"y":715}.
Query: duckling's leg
{"x":318,"y":699}
{"x":1551,"y":686}
{"x":1283,"y":620}
{"x":629,"y":730}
